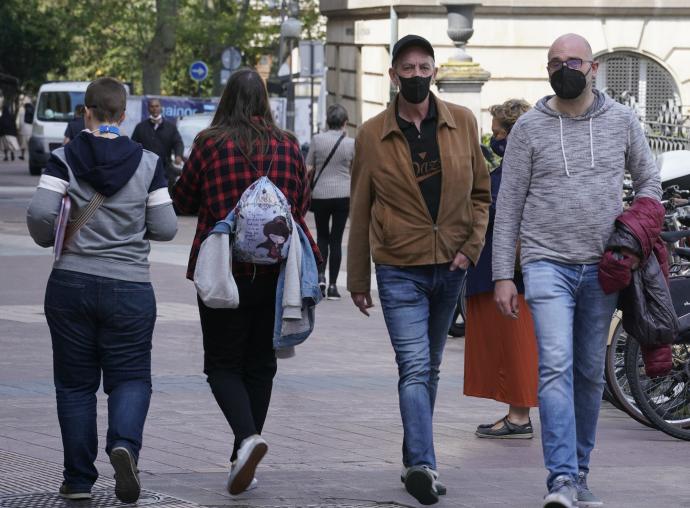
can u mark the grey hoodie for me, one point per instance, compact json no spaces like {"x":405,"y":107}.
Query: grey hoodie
{"x":562,"y":184}
{"x":114,"y":243}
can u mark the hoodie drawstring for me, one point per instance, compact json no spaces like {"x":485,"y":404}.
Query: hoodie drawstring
{"x":591,"y":145}
{"x":560,"y":120}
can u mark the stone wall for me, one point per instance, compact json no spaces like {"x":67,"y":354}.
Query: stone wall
{"x":510,"y":41}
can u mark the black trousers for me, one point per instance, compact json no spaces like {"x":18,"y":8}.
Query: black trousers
{"x":239,"y":360}
{"x":329,"y":236}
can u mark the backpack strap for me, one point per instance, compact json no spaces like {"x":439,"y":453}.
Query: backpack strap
{"x":315,"y":178}
{"x":251,"y":163}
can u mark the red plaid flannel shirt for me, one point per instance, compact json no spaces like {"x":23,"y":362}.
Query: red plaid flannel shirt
{"x":214,"y":177}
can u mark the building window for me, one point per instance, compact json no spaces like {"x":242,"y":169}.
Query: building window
{"x":638,"y":82}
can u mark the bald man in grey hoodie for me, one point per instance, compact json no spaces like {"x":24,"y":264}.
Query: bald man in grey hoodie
{"x":561,"y":193}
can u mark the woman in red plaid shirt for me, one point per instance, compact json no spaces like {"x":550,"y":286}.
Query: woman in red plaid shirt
{"x":239,"y":360}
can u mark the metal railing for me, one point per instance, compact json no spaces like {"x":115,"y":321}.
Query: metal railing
{"x":669,"y":131}
{"x":665,"y":137}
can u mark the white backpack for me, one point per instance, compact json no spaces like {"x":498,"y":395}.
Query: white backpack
{"x":263,"y":224}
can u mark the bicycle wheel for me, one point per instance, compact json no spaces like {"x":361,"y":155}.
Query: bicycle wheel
{"x":457,"y":329}
{"x":665,"y":400}
{"x":617,"y":379}
{"x":608,"y":396}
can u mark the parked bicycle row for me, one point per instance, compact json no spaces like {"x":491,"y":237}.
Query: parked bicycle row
{"x":660,"y":401}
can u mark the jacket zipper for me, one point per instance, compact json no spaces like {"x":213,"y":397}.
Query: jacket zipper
{"x":434,"y":226}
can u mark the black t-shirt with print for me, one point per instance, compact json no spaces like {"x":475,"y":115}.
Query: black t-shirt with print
{"x":426,"y":159}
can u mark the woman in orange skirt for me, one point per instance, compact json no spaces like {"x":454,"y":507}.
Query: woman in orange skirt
{"x":500,"y":353}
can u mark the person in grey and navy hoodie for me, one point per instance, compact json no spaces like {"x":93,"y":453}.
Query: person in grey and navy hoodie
{"x":99,"y":302}
{"x":561,"y":192}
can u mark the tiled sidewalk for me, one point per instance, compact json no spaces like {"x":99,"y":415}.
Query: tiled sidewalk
{"x":333,"y":428}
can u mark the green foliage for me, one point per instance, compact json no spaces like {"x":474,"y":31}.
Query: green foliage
{"x":495,"y":159}
{"x":206,"y":29}
{"x":31,"y":42}
{"x":62,"y":39}
{"x":314,"y":24}
{"x":111,"y":38}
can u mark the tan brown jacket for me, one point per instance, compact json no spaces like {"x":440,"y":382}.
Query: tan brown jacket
{"x":389,"y":219}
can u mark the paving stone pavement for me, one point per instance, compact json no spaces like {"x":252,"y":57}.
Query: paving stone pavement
{"x":333,"y":429}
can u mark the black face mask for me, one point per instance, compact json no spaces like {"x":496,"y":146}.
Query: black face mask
{"x":568,"y":83}
{"x":415,"y":89}
{"x":498,"y":146}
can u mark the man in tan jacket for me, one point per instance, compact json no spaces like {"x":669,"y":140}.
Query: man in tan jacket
{"x":420,"y":201}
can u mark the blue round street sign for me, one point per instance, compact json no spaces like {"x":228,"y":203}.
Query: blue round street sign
{"x":198,"y":71}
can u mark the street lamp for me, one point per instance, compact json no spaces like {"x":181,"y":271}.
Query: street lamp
{"x":290,"y":31}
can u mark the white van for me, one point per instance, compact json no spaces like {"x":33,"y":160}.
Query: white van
{"x":54,"y":109}
{"x":55,"y":106}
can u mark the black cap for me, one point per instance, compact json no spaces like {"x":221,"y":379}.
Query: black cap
{"x":412,"y":40}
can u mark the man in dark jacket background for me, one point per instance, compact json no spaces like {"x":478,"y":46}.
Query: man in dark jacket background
{"x":162,"y":138}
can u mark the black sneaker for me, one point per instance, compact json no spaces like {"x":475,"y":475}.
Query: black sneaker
{"x":332,"y":293}
{"x":69,"y":493}
{"x":322,"y":284}
{"x":127,"y":486}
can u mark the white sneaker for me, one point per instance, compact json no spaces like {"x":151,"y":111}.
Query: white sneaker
{"x":241,"y":476}
{"x":252,"y":486}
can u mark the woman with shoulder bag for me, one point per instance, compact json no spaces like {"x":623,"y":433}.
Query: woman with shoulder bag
{"x":500,"y":353}
{"x":329,"y":161}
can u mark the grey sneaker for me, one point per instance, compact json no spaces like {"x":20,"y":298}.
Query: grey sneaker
{"x":585,"y":498}
{"x":563,"y":493}
{"x":440,"y":487}
{"x":419,"y":483}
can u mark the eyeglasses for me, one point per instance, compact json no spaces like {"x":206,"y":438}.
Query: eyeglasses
{"x":570,"y":63}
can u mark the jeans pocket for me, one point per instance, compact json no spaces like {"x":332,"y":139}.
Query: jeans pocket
{"x":64,"y":293}
{"x":134,"y":299}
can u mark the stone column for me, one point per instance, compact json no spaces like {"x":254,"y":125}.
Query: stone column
{"x":460,"y":80}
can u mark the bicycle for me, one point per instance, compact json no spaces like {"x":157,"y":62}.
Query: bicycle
{"x":615,"y":372}
{"x":665,"y":400}
{"x":618,"y":385}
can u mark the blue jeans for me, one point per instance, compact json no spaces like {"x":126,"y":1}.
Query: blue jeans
{"x":418,"y":304}
{"x":99,"y":325}
{"x":571,"y":316}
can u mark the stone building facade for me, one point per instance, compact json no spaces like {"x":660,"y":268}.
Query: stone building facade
{"x":643,"y":48}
